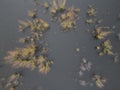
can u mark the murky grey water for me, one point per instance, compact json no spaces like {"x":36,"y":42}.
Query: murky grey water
{"x":63,"y":45}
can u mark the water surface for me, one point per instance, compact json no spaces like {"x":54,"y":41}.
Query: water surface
{"x":62,"y":46}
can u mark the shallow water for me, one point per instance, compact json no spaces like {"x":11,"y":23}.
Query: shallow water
{"x":64,"y":73}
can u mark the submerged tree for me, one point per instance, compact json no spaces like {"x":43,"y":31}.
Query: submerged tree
{"x":30,"y":55}
{"x":22,"y":57}
{"x":66,"y":16}
{"x":106,"y":48}
{"x":12,"y":81}
{"x":91,"y":11}
{"x":100,"y":33}
{"x":99,"y":80}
